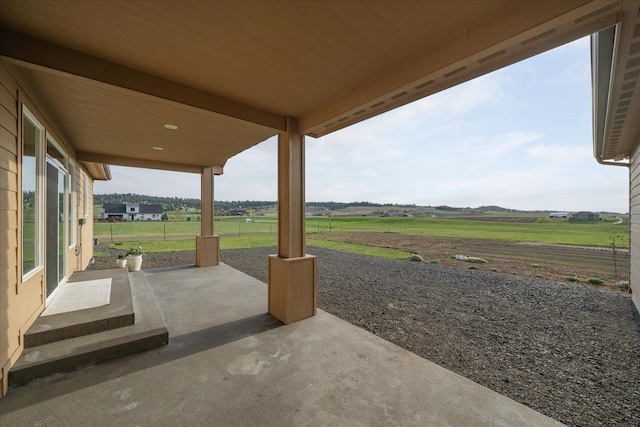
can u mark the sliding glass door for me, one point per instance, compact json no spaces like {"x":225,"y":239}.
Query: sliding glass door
{"x":55,"y":227}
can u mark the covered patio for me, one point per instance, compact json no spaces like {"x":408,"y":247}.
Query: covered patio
{"x":184,"y":87}
{"x":229,"y":362}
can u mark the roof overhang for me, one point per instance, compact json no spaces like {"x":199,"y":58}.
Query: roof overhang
{"x":98,"y":171}
{"x":228,"y":73}
{"x":615,"y":68}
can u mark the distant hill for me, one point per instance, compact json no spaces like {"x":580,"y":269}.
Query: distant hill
{"x":174,"y":203}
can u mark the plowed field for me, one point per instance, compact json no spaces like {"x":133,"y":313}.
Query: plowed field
{"x":553,"y":262}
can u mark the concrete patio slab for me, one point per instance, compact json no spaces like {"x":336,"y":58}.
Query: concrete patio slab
{"x":230,"y":363}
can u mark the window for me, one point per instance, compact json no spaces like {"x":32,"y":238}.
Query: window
{"x":71,"y":217}
{"x":32,"y":192}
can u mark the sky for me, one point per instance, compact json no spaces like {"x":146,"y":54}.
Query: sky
{"x":519,"y":137}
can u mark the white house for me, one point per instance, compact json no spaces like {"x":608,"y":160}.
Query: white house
{"x":132,"y":212}
{"x":559,"y":215}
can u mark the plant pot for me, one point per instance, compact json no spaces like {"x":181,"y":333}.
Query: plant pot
{"x":134,"y":262}
{"x":121,"y":263}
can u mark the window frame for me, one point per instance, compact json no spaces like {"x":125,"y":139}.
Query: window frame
{"x":40,"y":159}
{"x":72,"y":203}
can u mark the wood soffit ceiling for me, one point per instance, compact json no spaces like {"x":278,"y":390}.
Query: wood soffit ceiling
{"x":228,"y":73}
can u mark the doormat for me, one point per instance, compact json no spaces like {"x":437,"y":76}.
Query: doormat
{"x":74,"y":296}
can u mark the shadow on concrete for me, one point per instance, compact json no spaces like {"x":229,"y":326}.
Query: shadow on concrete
{"x":179,"y":347}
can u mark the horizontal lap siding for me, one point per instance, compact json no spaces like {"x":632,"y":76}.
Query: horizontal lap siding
{"x":9,"y":332}
{"x":87,"y":229}
{"x":634,"y":228}
{"x":22,"y":301}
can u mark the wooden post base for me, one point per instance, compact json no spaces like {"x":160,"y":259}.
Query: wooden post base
{"x":207,"y":251}
{"x":292,"y":288}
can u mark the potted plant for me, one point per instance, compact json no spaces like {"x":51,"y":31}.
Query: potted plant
{"x":134,"y":258}
{"x":121,"y":262}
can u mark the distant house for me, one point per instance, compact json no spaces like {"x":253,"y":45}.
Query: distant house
{"x":132,"y":212}
{"x":585,"y":216}
{"x":559,"y":215}
{"x":236,"y":212}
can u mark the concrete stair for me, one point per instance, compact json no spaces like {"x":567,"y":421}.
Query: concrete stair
{"x":131,"y":323}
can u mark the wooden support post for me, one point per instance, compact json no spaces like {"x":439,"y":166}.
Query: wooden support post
{"x":207,"y":244}
{"x":292,"y":273}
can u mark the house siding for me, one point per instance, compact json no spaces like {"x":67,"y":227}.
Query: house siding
{"x":22,"y":301}
{"x":634,"y":225}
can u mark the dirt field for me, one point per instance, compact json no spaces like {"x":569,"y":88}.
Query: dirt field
{"x":552,"y":262}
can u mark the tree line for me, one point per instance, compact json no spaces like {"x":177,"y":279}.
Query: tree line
{"x":174,"y":203}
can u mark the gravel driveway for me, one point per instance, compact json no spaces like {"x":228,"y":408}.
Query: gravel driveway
{"x":568,"y":351}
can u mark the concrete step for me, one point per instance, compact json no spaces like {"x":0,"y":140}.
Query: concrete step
{"x":149,"y":331}
{"x":117,"y":314}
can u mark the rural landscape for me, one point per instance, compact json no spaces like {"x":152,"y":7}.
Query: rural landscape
{"x":531,"y":304}
{"x":526,"y":243}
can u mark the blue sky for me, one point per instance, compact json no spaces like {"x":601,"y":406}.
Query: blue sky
{"x":519,"y":138}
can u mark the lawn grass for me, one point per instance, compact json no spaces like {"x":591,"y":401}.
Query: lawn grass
{"x":226,"y":242}
{"x":265,"y":229}
{"x":359,"y":249}
{"x":243,"y":242}
{"x":544,"y":231}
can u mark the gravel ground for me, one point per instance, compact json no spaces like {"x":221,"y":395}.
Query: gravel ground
{"x":568,"y":351}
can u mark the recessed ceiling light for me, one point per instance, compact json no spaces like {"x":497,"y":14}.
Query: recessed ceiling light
{"x":158,"y":148}
{"x":172,"y":127}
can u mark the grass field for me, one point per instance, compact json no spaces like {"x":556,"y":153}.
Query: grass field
{"x":263,"y":230}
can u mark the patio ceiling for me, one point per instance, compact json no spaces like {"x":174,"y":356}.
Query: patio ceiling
{"x":228,"y":73}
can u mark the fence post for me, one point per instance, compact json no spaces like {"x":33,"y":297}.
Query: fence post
{"x":111,"y":232}
{"x":165,"y":231}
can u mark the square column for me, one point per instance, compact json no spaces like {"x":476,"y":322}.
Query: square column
{"x":292,"y":273}
{"x":207,"y":244}
{"x":292,"y":287}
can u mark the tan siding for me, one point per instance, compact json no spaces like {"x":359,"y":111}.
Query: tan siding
{"x":87,"y":230}
{"x":8,"y":121}
{"x":8,"y":141}
{"x":8,"y":161}
{"x":8,"y":200}
{"x":9,"y":271}
{"x":19,"y":302}
{"x":8,"y":220}
{"x":634,"y":226}
{"x":8,"y":180}
{"x":7,"y":100}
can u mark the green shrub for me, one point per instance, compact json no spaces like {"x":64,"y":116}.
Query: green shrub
{"x":623,"y":284}
{"x":435,"y":261}
{"x":473,"y":267}
{"x":477,"y":260}
{"x":535,"y":265}
{"x":572,"y":279}
{"x":495,"y":270}
{"x":540,"y":276}
{"x":452,"y":257}
{"x":595,"y":281}
{"x":415,"y":257}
